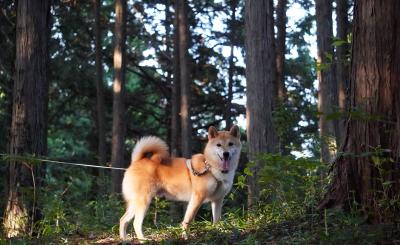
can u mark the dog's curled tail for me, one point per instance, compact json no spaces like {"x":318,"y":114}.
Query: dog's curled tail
{"x":150,"y":144}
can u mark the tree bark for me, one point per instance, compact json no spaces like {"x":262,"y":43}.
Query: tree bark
{"x":327,"y":93}
{"x":118,"y":126}
{"x":261,"y":77}
{"x":29,"y":114}
{"x":185,"y":80}
{"x":175,"y":209}
{"x":101,"y":132}
{"x":281,"y":19}
{"x":369,"y":173}
{"x":175,"y":97}
{"x":342,"y":73}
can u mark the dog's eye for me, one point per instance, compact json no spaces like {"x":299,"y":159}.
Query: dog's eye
{"x":230,"y":144}
{"x":219,"y":145}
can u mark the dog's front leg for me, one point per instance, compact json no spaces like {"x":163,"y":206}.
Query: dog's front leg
{"x":216,"y":207}
{"x":194,"y":204}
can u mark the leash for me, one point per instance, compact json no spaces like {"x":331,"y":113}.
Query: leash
{"x":194,"y":171}
{"x":5,"y":156}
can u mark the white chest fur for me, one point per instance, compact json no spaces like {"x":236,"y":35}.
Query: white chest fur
{"x":220,"y":185}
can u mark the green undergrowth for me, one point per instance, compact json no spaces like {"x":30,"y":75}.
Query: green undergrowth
{"x":269,"y":225}
{"x":266,"y":225}
{"x":74,"y":211}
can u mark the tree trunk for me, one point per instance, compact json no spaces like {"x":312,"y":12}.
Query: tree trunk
{"x":281,"y":92}
{"x":327,"y":85}
{"x":175,"y":209}
{"x":261,"y":76}
{"x":231,"y":70}
{"x":175,"y":97}
{"x":29,"y":114}
{"x":185,"y":81}
{"x":342,"y":73}
{"x":118,"y":127}
{"x":99,"y":87}
{"x":169,"y":67}
{"x":369,"y":173}
{"x":101,"y":131}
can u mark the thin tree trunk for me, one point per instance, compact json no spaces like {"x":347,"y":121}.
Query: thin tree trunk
{"x":169,"y":68}
{"x":175,"y":209}
{"x":185,"y":81}
{"x":231,"y":69}
{"x":261,"y":76}
{"x":369,"y":175}
{"x":281,"y":92}
{"x":327,"y":93}
{"x":342,"y":72}
{"x":175,"y":97}
{"x":101,"y":131}
{"x":99,"y":87}
{"x":118,"y":127}
{"x":29,"y":114}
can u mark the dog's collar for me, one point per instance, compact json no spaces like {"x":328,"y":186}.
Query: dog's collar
{"x":194,"y":171}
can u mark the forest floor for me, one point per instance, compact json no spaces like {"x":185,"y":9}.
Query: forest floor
{"x":288,"y":216}
{"x":333,"y":227}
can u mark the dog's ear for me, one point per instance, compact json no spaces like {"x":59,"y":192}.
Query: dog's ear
{"x":235,"y":131}
{"x":212,"y":132}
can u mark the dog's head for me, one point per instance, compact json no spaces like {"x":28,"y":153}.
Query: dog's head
{"x":223,"y":148}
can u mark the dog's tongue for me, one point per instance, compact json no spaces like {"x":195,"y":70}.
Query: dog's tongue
{"x":225,"y":165}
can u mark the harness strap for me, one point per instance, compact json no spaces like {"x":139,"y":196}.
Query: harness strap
{"x":194,"y":171}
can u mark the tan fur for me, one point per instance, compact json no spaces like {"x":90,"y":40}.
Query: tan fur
{"x":161,"y":175}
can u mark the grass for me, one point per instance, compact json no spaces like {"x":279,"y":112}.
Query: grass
{"x":261,"y":226}
{"x":72,"y":214}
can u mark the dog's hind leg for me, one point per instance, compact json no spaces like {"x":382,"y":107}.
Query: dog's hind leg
{"x":124,"y":221}
{"x":142,"y":204}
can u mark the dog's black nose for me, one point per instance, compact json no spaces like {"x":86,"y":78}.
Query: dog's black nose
{"x":226,"y":155}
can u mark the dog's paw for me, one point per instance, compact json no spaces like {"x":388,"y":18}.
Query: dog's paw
{"x":184,"y":228}
{"x":125,"y":241}
{"x":185,"y":235}
{"x":144,"y":240}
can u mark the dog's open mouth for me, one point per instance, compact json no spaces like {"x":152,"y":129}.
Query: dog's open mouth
{"x":225,"y":164}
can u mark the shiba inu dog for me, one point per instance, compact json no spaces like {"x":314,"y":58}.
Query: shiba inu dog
{"x":206,"y":177}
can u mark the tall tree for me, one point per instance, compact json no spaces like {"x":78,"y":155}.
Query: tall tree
{"x":175,"y":95}
{"x":185,"y":80}
{"x":280,"y":49}
{"x":327,"y":93}
{"x":369,"y":173}
{"x":101,"y":132}
{"x":118,"y":126}
{"x":231,"y":66}
{"x":260,"y":76}
{"x":29,"y":113}
{"x":175,"y":208}
{"x":342,"y":50}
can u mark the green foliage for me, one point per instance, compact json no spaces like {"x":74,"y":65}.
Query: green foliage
{"x":69,"y":205}
{"x":72,"y":212}
{"x":288,"y":180}
{"x":295,"y":119}
{"x":296,"y":125}
{"x":385,"y":202}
